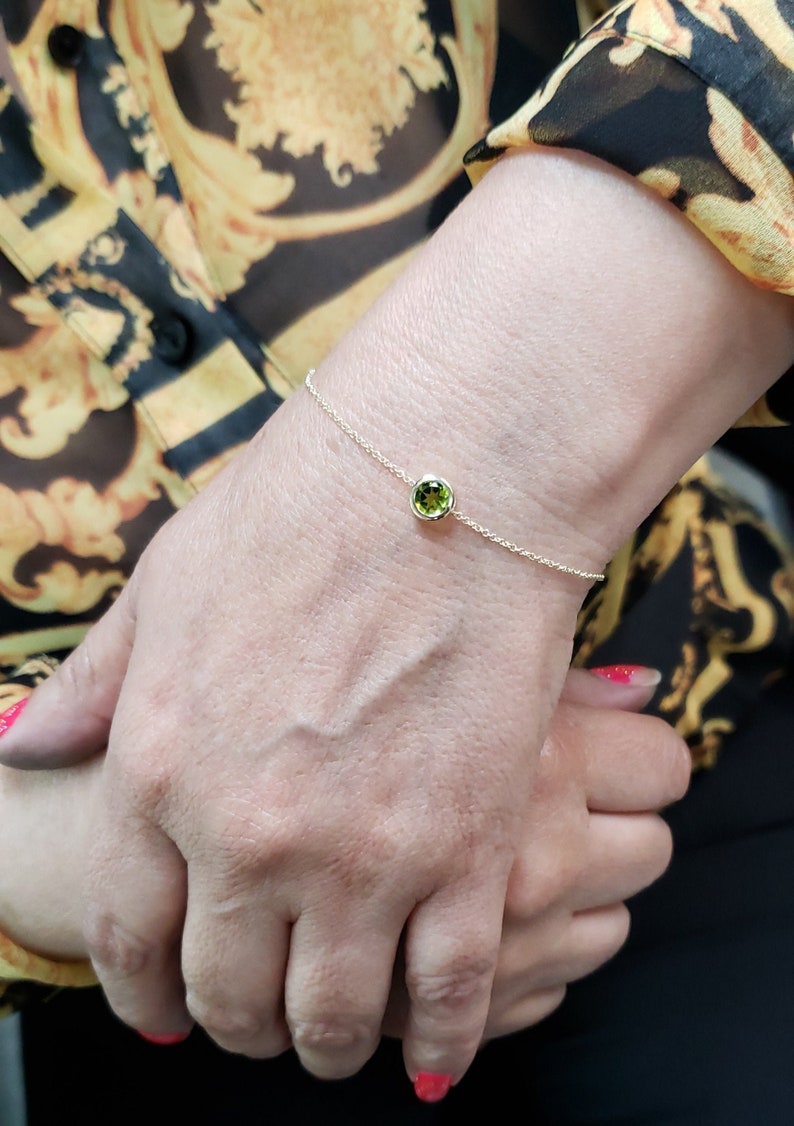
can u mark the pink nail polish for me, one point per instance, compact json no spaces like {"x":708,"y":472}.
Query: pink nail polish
{"x":11,"y":715}
{"x":430,"y":1087}
{"x":164,"y":1038}
{"x":629,"y":674}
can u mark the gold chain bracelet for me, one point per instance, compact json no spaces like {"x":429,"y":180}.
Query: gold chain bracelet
{"x":432,"y":498}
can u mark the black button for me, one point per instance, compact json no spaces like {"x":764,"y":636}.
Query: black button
{"x":173,"y":338}
{"x":66,"y":45}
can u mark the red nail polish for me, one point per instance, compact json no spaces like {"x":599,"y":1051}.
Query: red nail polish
{"x":430,"y":1087}
{"x":629,"y":674}
{"x":12,"y":714}
{"x":164,"y":1038}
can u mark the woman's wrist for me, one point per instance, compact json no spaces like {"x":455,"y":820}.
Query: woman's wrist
{"x":44,"y":845}
{"x":561,"y":351}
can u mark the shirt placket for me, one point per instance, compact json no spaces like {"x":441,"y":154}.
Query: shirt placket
{"x":146,"y":310}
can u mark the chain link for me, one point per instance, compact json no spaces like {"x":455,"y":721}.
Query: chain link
{"x":375,"y":453}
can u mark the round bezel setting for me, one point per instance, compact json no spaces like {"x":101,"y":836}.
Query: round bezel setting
{"x":432,"y":498}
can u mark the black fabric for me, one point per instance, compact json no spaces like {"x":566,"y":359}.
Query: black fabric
{"x":83,"y":1066}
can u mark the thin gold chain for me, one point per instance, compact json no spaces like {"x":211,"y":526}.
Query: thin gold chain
{"x":375,"y":453}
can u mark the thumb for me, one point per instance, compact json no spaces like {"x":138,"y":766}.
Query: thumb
{"x":626,"y":687}
{"x":67,"y":717}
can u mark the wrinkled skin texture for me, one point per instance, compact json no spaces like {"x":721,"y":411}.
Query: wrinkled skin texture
{"x":324,"y":724}
{"x":289,"y":839}
{"x":591,"y":840}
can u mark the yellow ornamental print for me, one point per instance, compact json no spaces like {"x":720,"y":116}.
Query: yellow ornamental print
{"x":62,"y":384}
{"x":756,"y":235}
{"x":130,"y":112}
{"x":71,"y":514}
{"x":50,"y":90}
{"x":230,"y":195}
{"x":339,"y":76}
{"x":145,"y":478}
{"x":514,"y":131}
{"x":707,"y":519}
{"x":102,"y":328}
{"x":25,"y":202}
{"x":167,"y":223}
{"x":655,"y":20}
{"x":765,"y":21}
{"x":713,"y":14}
{"x":226,"y":191}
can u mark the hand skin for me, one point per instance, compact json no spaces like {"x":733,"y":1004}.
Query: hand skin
{"x":323,"y":719}
{"x":592,"y":839}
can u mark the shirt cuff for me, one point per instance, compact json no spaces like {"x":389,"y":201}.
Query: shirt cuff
{"x":18,"y":965}
{"x":648,"y":94}
{"x":679,"y":96}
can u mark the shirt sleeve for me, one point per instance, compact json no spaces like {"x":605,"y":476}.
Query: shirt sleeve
{"x":695,"y":99}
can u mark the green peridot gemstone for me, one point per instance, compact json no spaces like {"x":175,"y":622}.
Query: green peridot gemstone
{"x":432,"y":498}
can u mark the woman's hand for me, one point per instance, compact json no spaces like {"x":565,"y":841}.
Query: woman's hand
{"x":592,"y":839}
{"x":324,"y":722}
{"x":47,"y":819}
{"x":305,"y":767}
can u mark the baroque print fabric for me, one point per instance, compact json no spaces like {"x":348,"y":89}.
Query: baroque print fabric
{"x":177,"y":258}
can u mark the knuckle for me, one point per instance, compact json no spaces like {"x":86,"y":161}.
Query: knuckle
{"x":333,"y":1048}
{"x":460,"y":988}
{"x":534,"y":888}
{"x":142,"y":774}
{"x":222,"y":1020}
{"x":329,"y":1035}
{"x":80,"y":673}
{"x":234,"y":835}
{"x":115,"y":949}
{"x":238,"y":1027}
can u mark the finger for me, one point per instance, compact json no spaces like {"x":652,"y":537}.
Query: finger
{"x":627,"y":852}
{"x":627,"y":687}
{"x":451,"y":950}
{"x":395,"y":1018}
{"x":338,"y":982}
{"x":234,"y":958}
{"x":592,"y":939}
{"x":633,"y":762}
{"x":67,"y":718}
{"x":136,"y":901}
{"x":525,"y":993}
{"x":526,"y":1010}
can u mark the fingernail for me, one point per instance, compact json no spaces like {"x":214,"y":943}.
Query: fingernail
{"x":164,"y":1038}
{"x":640,"y":675}
{"x":12,"y":714}
{"x":431,"y":1088}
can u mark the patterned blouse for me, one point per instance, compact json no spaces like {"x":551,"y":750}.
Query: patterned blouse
{"x":198,"y":198}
